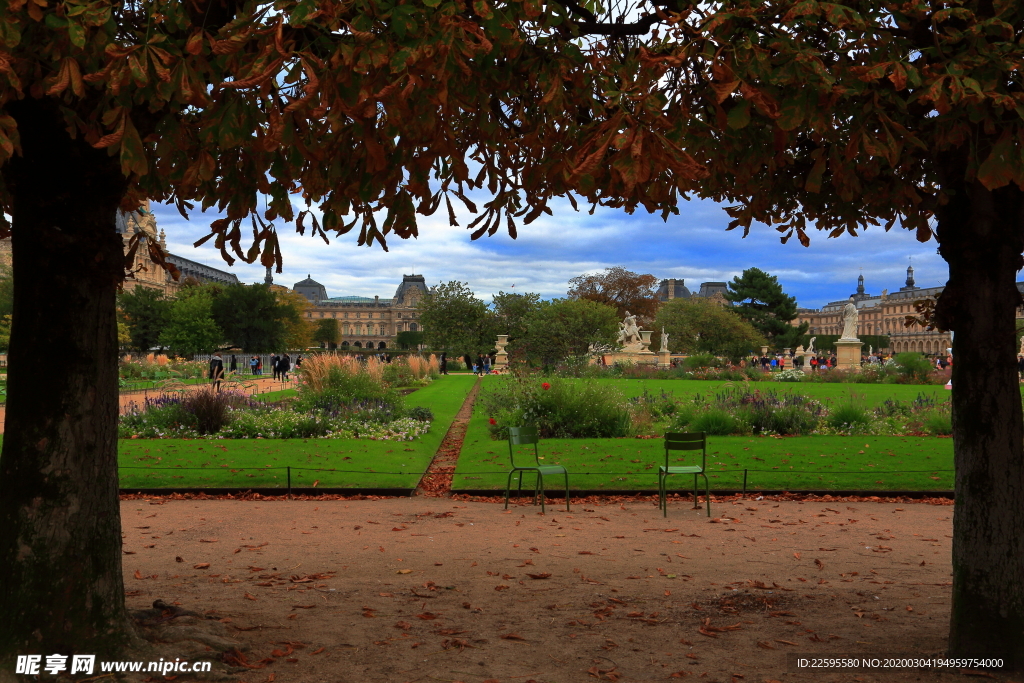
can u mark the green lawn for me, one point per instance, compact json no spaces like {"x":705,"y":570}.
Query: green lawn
{"x":145,"y":384}
{"x":260,"y":463}
{"x":790,"y":463}
{"x":873,"y":394}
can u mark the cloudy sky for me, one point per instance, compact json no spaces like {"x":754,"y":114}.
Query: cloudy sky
{"x":693,"y":246}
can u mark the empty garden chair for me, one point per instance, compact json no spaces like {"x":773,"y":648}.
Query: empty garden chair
{"x":675,"y":442}
{"x":526,"y":436}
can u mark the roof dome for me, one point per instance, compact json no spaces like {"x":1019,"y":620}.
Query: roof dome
{"x":412,"y":287}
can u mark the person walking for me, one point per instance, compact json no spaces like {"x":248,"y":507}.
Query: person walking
{"x":284,"y":365}
{"x":479,"y":367}
{"x":259,"y":365}
{"x":253,"y":362}
{"x":216,"y":370}
{"x":444,"y":362}
{"x":298,"y":362}
{"x":487,"y":365}
{"x":234,"y":364}
{"x":274,"y":360}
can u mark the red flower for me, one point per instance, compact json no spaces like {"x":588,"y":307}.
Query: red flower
{"x":493,"y":421}
{"x":545,"y":386}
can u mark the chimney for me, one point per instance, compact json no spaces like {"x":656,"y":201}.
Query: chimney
{"x":376,"y":301}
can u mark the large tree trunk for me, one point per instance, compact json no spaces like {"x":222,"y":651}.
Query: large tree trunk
{"x":61,"y":589}
{"x":980,"y":234}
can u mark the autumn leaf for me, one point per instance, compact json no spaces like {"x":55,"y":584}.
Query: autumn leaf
{"x":201,"y":565}
{"x":543,"y":575}
{"x":426,"y":616}
{"x":513,"y":636}
{"x":404,"y":625}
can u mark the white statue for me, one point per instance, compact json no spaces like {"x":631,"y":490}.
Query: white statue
{"x":664,"y":342}
{"x":628,"y":331}
{"x":810,"y":346}
{"x":850,"y":320}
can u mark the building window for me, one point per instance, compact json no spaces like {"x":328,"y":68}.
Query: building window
{"x":382,"y":333}
{"x":413,"y":327}
{"x":334,"y":315}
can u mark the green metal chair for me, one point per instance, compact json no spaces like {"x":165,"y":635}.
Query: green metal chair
{"x":684,"y":442}
{"x":525,"y":436}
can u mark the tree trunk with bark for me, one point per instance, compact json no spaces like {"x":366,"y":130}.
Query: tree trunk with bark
{"x":981,"y":237}
{"x":61,"y":587}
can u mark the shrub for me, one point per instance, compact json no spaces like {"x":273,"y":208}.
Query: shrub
{"x":559,"y":409}
{"x":422,"y":414}
{"x":848,"y":416}
{"x":686,"y":414}
{"x":938,"y":423}
{"x":715,"y":422}
{"x":913,"y":367}
{"x":211,"y":407}
{"x":699,"y":361}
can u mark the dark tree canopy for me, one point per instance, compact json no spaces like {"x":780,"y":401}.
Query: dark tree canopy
{"x":146,"y":312}
{"x":251,"y":317}
{"x":759,"y":299}
{"x":327,"y":332}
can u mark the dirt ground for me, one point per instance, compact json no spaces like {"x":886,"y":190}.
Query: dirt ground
{"x":433,"y":589}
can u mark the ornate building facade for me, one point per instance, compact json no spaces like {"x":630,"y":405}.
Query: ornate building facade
{"x":884,"y":314}
{"x":145,"y":273}
{"x":677,"y":289}
{"x":364,"y":322}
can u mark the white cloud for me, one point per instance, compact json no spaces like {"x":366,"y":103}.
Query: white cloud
{"x":693,"y":246}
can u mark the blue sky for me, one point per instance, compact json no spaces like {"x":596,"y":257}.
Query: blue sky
{"x":693,"y":246}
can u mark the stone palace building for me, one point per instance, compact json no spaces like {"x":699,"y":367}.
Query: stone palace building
{"x":884,"y":314}
{"x":146,"y":273}
{"x":364,"y":322}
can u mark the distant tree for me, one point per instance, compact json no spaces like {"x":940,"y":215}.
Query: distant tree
{"x":409,"y":340}
{"x":512,"y":312}
{"x":697,"y":325}
{"x":251,"y":317}
{"x":453,"y":319}
{"x":565,"y":328}
{"x":620,"y":288}
{"x":327,"y":332}
{"x":759,"y":299}
{"x":6,"y":290}
{"x":145,"y":312}
{"x":124,"y":336}
{"x":298,"y":327}
{"x":191,"y":328}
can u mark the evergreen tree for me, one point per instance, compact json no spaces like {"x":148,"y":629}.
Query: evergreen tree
{"x":758,"y":298}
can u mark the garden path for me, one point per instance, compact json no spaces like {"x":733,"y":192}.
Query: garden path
{"x":437,"y":480}
{"x":262,"y":384}
{"x":421,"y":589}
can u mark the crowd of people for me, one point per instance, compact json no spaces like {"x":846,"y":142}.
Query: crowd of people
{"x":281,"y":364}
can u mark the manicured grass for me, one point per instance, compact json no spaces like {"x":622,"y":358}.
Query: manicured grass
{"x":260,"y":463}
{"x":790,"y":463}
{"x":274,"y":396}
{"x":871,"y":394}
{"x":145,"y":384}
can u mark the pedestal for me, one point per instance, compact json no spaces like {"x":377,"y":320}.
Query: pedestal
{"x":664,"y":359}
{"x":501,"y":357}
{"x":848,"y":353}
